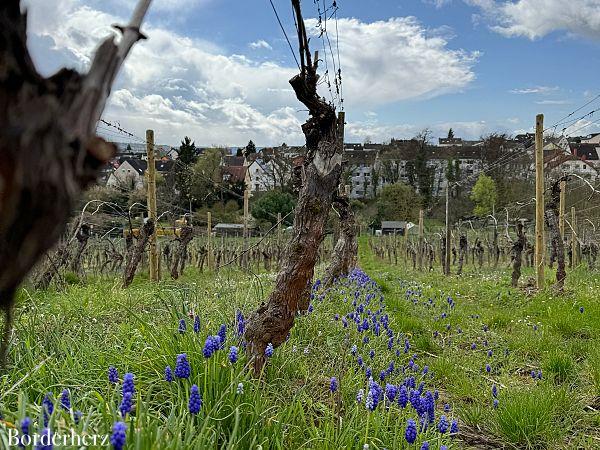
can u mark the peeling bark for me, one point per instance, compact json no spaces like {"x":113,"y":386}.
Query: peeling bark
{"x":49,"y":149}
{"x":273,"y":320}
{"x":137,"y":252}
{"x":184,"y":239}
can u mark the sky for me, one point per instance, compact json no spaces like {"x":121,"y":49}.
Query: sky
{"x":218,"y":70}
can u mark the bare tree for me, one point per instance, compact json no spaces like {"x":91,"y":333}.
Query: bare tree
{"x":273,"y":320}
{"x":48,"y":144}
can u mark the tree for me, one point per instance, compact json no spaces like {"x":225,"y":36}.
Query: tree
{"x":265,"y":209}
{"x":484,"y":195}
{"x":187,"y":152}
{"x":206,"y":178}
{"x":48,"y":144}
{"x":450,"y":133}
{"x":398,"y":202}
{"x":250,"y":148}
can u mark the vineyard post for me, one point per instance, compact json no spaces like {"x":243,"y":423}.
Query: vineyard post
{"x":448,"y":244}
{"x":420,"y":246}
{"x":539,"y":199}
{"x":208,"y":241}
{"x":245,"y":250}
{"x":278,"y":229}
{"x":575,"y":259}
{"x":152,"y":214}
{"x":561,"y":217}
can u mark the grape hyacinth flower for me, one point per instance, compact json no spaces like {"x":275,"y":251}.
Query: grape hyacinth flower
{"x":269,"y":350}
{"x":233,"y":354}
{"x":182,"y":366}
{"x":126,"y":403}
{"x":45,"y":440}
{"x":403,"y":396}
{"x":495,"y":403}
{"x":390,"y":392}
{"x":494,"y":391}
{"x":240,"y":388}
{"x":222,"y":333}
{"x":488,"y":368}
{"x":454,"y":427}
{"x":65,"y":401}
{"x":333,"y":384}
{"x":446,"y":407}
{"x":370,"y":401}
{"x":443,"y":425}
{"x":128,"y":385}
{"x":48,"y":407}
{"x":196,"y":324}
{"x":372,"y":353}
{"x":425,"y":446}
{"x":168,"y":374}
{"x":25,"y":426}
{"x":581,"y":309}
{"x":113,"y":375}
{"x":411,"y":431}
{"x":359,"y":396}
{"x":195,"y":400}
{"x":241,"y":323}
{"x":182,"y":326}
{"x":118,"y":437}
{"x":353,"y":350}
{"x":77,"y":415}
{"x":490,"y":353}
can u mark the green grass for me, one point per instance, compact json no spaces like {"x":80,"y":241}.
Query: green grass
{"x":67,"y":338}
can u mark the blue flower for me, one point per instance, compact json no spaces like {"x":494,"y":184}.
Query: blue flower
{"x":182,"y":326}
{"x":581,"y":309}
{"x":370,"y":401}
{"x":490,"y":353}
{"x":233,"y":354}
{"x":113,"y":375}
{"x":118,"y":437}
{"x":45,"y":440}
{"x":65,"y":401}
{"x":241,"y":323}
{"x":240,"y":388}
{"x":128,"y":385}
{"x":196,"y":324}
{"x":411,"y":431}
{"x":425,"y":446}
{"x":495,"y":403}
{"x":126,"y":403}
{"x":454,"y":427}
{"x":182,"y":366}
{"x":269,"y":350}
{"x":77,"y":415}
{"x":209,"y":347}
{"x":48,"y":407}
{"x":372,"y":353}
{"x":353,"y":350}
{"x":488,"y":368}
{"x":443,"y":425}
{"x":195,"y":400}
{"x":390,"y":392}
{"x":359,"y":396}
{"x":168,"y":374}
{"x":333,"y":384}
{"x":25,"y":426}
{"x":403,"y":396}
{"x":494,"y":391}
{"x":222,"y":335}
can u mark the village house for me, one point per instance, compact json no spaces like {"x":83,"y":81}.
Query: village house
{"x":129,"y":174}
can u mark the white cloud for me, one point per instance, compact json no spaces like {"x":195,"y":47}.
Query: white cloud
{"x":553,"y":102}
{"x":260,"y":44}
{"x":398,"y":59}
{"x":535,"y":90}
{"x":534,"y":19}
{"x":184,"y":86}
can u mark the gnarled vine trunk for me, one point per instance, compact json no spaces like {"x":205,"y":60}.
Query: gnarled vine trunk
{"x":273,"y":320}
{"x":137,"y":250}
{"x":517,"y":254}
{"x":558,"y":248}
{"x":184,"y":239}
{"x":49,"y":149}
{"x":345,"y":252}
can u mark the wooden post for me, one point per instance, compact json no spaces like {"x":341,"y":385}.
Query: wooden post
{"x":152,"y":214}
{"x":574,"y":245}
{"x":539,"y":199}
{"x":420,"y":247}
{"x":278,"y":229}
{"x":448,"y":244}
{"x":208,"y":241}
{"x":245,"y":246}
{"x":561,"y":217}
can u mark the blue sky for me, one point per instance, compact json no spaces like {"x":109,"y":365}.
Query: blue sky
{"x":217,"y":70}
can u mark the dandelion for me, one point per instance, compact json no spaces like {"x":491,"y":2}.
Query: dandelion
{"x":168,"y":374}
{"x":411,"y":431}
{"x":233,"y":354}
{"x":117,"y":438}
{"x":196,"y":324}
{"x":240,"y":388}
{"x":269,"y":350}
{"x":128,"y":385}
{"x":195,"y":400}
{"x":182,"y":366}
{"x":443,"y":425}
{"x":333,"y":384}
{"x":113,"y":375}
{"x":65,"y":401}
{"x":126,"y":403}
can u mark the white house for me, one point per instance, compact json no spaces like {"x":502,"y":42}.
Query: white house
{"x":129,"y":175}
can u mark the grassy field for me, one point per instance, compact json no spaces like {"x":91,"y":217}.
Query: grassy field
{"x":513,"y":370}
